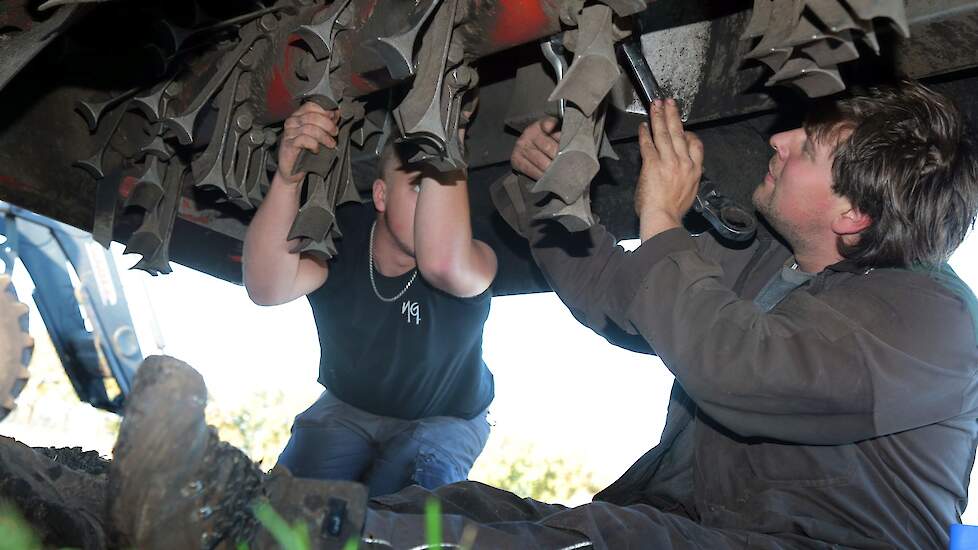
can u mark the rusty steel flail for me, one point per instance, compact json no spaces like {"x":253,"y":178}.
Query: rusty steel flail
{"x":484,"y":27}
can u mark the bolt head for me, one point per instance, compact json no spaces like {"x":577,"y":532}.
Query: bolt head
{"x":268,"y":22}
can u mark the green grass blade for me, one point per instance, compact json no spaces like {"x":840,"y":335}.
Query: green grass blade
{"x":289,"y":537}
{"x":15,"y":532}
{"x":432,"y":521}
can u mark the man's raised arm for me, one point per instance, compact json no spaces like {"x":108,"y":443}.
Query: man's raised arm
{"x":447,"y":254}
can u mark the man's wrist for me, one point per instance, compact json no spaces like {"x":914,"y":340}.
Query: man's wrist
{"x":290,"y":182}
{"x":653,"y":222}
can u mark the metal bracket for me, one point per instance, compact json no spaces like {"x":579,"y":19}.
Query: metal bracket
{"x":319,"y":37}
{"x":894,"y":10}
{"x":419,"y":116}
{"x":570,"y":174}
{"x":316,"y":216}
{"x":823,"y":31}
{"x":833,"y":15}
{"x":594,"y":70}
{"x":781,"y":18}
{"x":815,"y":81}
{"x":832,"y":50}
{"x":160,"y":230}
{"x":457,"y":83}
{"x":148,"y":191}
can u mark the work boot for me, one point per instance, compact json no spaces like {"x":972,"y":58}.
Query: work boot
{"x":174,"y":485}
{"x":333,"y":511}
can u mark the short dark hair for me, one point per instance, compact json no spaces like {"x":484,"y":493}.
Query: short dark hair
{"x":395,"y":153}
{"x":902,"y":157}
{"x":389,"y":155}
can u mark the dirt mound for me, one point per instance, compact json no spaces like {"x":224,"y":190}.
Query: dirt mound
{"x":59,"y":497}
{"x":89,"y":462}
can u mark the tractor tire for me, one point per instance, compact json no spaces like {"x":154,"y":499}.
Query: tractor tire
{"x":16,"y":346}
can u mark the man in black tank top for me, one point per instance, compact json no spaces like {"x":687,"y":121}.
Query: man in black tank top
{"x":399,"y":311}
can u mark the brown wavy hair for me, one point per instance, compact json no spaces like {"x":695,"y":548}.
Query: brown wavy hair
{"x":902,"y":158}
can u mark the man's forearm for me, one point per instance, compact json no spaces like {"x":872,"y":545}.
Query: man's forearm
{"x":446,"y":252}
{"x":584,"y":270}
{"x":269,"y":267}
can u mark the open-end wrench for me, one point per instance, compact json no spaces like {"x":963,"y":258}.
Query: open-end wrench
{"x":208,"y":168}
{"x":319,"y":36}
{"x":553,"y":52}
{"x":727,"y":217}
{"x":151,"y":102}
{"x":92,"y":111}
{"x":183,"y":124}
{"x":256,"y":174}
{"x":241,"y":124}
{"x":243,"y":164}
{"x":157,"y":145}
{"x":271,"y":138}
{"x":93,"y":164}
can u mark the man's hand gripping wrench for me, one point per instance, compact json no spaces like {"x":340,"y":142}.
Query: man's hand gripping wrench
{"x":729,"y":219}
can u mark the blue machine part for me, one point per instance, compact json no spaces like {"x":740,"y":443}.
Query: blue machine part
{"x":87,"y":315}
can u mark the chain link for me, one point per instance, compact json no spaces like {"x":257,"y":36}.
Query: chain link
{"x":373,"y":283}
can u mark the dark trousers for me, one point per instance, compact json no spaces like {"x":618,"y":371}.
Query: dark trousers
{"x":480,"y":517}
{"x":335,"y":440}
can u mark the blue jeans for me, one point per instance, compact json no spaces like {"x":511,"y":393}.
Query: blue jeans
{"x":335,"y":440}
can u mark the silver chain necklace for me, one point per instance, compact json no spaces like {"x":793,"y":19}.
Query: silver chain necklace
{"x":373,"y":283}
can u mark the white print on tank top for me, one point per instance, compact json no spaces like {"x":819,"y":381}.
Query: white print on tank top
{"x":412,"y":310}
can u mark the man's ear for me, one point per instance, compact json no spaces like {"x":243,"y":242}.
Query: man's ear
{"x":380,"y":195}
{"x":851,"y":222}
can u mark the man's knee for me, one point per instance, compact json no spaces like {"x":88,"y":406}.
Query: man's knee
{"x":432,"y":469}
{"x":447,"y":450}
{"x":326,"y":453}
